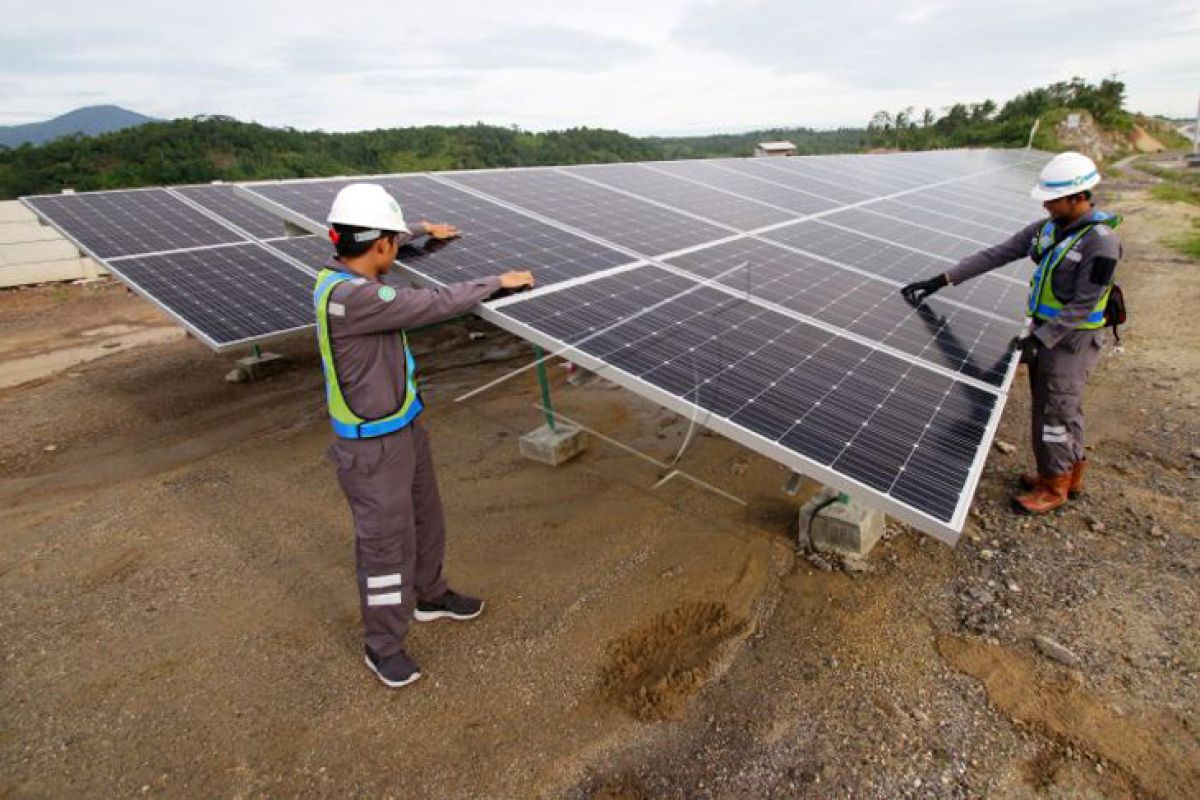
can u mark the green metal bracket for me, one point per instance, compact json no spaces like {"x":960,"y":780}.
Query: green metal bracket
{"x":544,"y":382}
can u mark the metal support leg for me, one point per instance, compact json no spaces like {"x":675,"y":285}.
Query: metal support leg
{"x":544,"y":382}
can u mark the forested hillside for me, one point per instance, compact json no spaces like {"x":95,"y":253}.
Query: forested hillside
{"x":987,"y":124}
{"x":204,"y":149}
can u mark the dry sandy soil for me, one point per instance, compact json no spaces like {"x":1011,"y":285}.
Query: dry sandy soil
{"x":180,"y":618}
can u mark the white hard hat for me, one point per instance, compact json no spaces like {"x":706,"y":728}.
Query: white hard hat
{"x":1065,"y":174}
{"x":367,"y":205}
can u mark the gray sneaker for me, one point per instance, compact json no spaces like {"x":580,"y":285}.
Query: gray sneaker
{"x":450,"y":605}
{"x":395,"y":671}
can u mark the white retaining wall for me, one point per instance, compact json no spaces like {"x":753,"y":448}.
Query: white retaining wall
{"x":31,"y":252}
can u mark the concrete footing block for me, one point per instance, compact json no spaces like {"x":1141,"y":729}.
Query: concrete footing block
{"x":255,"y":368}
{"x":553,"y":446}
{"x":843,"y":528}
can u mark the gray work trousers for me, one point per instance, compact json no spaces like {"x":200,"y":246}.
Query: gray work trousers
{"x":1056,"y":379}
{"x":399,"y":530}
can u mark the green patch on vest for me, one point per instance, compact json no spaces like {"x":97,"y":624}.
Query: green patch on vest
{"x":387,"y":294}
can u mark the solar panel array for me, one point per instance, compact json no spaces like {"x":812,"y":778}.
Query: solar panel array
{"x":759,"y":296}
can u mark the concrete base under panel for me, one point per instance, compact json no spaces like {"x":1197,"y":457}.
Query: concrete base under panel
{"x":254,"y":368}
{"x":842,"y":528}
{"x":555,"y":446}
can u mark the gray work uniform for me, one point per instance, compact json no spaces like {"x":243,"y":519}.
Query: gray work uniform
{"x":1066,"y":355}
{"x":389,"y":480}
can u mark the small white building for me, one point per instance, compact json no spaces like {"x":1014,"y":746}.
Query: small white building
{"x":763,"y":149}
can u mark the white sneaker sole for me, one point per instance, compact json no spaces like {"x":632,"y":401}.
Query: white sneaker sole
{"x":430,"y":616}
{"x":388,"y":681}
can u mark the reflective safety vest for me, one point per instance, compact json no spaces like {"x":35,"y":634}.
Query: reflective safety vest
{"x":1042,"y":304}
{"x":346,"y":423}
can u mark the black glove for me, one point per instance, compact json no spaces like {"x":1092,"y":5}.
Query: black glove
{"x":914,"y":293}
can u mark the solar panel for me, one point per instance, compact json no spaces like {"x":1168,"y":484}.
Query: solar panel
{"x":953,"y":202}
{"x":108,"y":224}
{"x":717,"y":204}
{"x":927,"y":238}
{"x":898,"y":264}
{"x":955,"y":338}
{"x":640,"y":225}
{"x":226,"y":295}
{"x":820,"y":402}
{"x":724,"y":174}
{"x":829,"y":190}
{"x":961,"y":224}
{"x":224,"y":201}
{"x":493,"y":239}
{"x":311,"y":250}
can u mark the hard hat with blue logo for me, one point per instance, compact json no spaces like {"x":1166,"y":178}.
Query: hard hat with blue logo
{"x":1065,"y":174}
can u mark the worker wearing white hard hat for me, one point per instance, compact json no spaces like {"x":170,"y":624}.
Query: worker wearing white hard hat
{"x":381,"y":451}
{"x":1076,"y":253}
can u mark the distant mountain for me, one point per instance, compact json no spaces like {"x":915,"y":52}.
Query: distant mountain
{"x":90,"y":121}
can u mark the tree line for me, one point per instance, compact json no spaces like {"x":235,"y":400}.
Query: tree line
{"x":987,"y":124}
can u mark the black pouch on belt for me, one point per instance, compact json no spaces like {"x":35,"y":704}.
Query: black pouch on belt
{"x":1114,"y":311}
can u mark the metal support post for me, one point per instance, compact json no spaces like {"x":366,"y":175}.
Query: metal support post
{"x":544,"y":381}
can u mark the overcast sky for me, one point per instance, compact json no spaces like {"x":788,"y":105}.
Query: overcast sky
{"x":643,"y":66}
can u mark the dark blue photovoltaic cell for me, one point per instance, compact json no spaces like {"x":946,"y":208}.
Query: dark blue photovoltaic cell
{"x":887,"y":423}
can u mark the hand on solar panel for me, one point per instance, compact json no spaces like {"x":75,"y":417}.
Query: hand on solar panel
{"x":516,"y":281}
{"x":914,"y":293}
{"x":440,"y":230}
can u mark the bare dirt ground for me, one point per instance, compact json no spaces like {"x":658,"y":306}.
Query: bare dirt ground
{"x":180,"y":619}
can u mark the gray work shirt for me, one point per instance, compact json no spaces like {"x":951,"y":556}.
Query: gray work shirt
{"x":1078,"y":281}
{"x":365,"y":317}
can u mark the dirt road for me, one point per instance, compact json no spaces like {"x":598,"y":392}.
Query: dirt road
{"x":180,"y":617}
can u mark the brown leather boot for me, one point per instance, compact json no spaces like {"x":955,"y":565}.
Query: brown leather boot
{"x":1032,"y":480}
{"x":1051,"y":494}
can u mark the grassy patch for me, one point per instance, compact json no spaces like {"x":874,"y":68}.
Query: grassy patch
{"x":1188,"y":175}
{"x":1188,"y":243}
{"x":1172,"y":192}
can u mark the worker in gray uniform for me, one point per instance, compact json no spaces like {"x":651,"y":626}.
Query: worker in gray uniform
{"x":1076,"y":253}
{"x":381,"y":451}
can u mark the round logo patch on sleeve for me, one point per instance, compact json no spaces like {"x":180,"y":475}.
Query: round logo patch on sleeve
{"x":387,"y":293}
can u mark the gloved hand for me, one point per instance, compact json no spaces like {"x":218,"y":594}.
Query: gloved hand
{"x":440,"y":230}
{"x":914,"y":293}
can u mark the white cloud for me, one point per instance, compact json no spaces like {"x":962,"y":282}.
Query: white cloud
{"x":641,"y":67}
